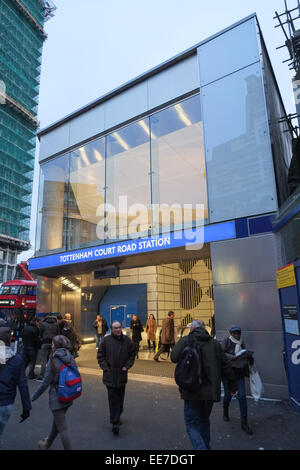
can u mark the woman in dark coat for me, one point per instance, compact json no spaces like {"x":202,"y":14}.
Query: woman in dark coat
{"x":137,"y":329}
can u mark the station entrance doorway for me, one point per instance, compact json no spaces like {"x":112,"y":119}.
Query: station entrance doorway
{"x":184,"y":286}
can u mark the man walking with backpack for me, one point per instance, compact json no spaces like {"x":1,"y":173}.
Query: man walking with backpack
{"x":201,"y":364}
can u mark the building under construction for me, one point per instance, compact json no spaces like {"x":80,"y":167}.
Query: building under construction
{"x":22,"y":36}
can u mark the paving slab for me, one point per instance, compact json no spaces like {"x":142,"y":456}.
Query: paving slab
{"x":153,"y":420}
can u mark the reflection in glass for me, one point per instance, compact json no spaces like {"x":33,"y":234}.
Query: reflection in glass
{"x":240,"y":169}
{"x":101,"y":191}
{"x":87,"y":194}
{"x":53,"y":204}
{"x":178,"y":162}
{"x":128,"y":181}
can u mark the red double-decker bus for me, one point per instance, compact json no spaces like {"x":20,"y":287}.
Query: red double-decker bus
{"x":18,"y":300}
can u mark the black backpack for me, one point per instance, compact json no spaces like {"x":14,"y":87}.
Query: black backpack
{"x":189,"y":370}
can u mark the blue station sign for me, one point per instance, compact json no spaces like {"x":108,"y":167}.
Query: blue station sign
{"x":190,"y":238}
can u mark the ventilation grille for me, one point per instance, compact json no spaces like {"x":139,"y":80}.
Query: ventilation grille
{"x":190,"y":294}
{"x":186,"y":266}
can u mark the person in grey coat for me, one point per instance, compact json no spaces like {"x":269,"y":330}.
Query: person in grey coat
{"x":61,"y":347}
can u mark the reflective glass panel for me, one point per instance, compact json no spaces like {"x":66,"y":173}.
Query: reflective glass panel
{"x":178,"y":164}
{"x":128,"y":181}
{"x":87,"y":193}
{"x":53,"y":205}
{"x":239,"y":161}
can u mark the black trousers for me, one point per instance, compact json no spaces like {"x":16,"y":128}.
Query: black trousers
{"x":116,"y":402}
{"x":163,"y":348}
{"x":29,"y":357}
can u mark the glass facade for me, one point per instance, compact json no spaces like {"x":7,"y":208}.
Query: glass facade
{"x":53,"y":205}
{"x":105,"y":190}
{"x":240,"y":169}
{"x":128,"y":181}
{"x":178,"y":164}
{"x":86,"y":195}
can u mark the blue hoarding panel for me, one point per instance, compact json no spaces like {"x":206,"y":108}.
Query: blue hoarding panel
{"x":290,"y":312}
{"x":120,"y":303}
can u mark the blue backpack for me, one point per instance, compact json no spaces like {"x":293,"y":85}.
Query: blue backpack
{"x":69,"y":384}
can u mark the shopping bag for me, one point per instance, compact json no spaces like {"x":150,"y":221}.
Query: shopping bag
{"x":256,"y":385}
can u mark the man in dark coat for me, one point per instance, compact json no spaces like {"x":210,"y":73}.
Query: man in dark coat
{"x":12,"y":376}
{"x":66,"y":329}
{"x":167,"y":335}
{"x":101,"y":328}
{"x":198,"y":403}
{"x":31,"y":345}
{"x":48,"y":329}
{"x":115,"y":356}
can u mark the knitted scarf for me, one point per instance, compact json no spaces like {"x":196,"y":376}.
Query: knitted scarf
{"x":238,"y":344}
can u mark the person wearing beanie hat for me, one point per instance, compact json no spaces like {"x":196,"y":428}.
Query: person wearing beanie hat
{"x":235,"y":349}
{"x":12,"y":376}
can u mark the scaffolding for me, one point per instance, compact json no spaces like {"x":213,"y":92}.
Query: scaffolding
{"x":49,"y":8}
{"x":22,"y":36}
{"x":287,"y":21}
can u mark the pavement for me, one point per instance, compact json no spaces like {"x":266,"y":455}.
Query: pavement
{"x":152,"y":418}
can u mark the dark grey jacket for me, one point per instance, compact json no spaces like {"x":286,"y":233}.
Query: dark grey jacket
{"x":215,"y":365}
{"x":51,"y":379}
{"x":113,"y":354}
{"x":240,"y":364}
{"x":48,"y":329}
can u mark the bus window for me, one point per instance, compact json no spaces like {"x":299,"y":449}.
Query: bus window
{"x":31,"y":290}
{"x":9,"y":290}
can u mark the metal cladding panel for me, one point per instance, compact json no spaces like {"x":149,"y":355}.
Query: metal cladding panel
{"x":126,"y":105}
{"x":245,"y":260}
{"x":267,"y":347}
{"x":252,"y":306}
{"x":173,"y":82}
{"x":55,"y":141}
{"x":229,"y":52}
{"x":48,"y":295}
{"x":87,"y":125}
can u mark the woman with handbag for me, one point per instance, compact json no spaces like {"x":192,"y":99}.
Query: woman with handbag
{"x":151,"y":331}
{"x":235,"y":349}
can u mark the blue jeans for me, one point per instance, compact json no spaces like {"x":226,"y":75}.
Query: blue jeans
{"x":196,"y":415}
{"x":241,"y":396}
{"x":99,"y":339}
{"x":5,"y":412}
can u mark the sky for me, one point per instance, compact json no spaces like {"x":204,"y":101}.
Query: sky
{"x":94,"y":46}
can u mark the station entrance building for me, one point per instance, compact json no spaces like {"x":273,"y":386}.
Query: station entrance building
{"x":172,"y":182}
